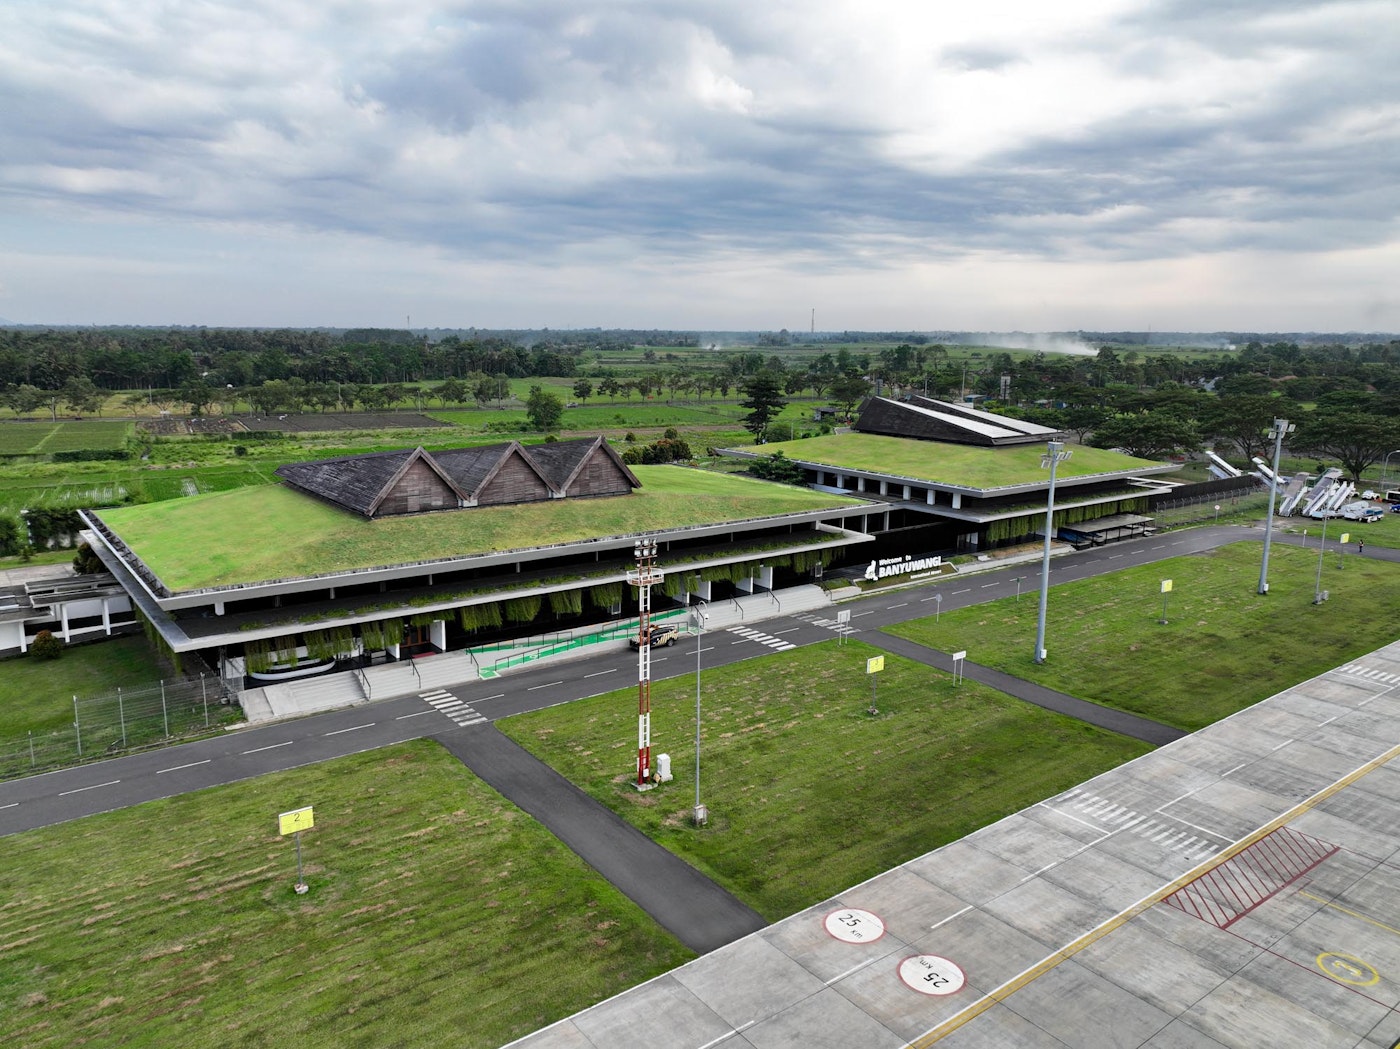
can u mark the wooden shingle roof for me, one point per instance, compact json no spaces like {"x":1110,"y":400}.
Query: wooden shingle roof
{"x":365,"y":483}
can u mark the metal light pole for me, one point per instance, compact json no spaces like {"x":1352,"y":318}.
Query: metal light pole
{"x":698,"y":618}
{"x":1054,"y":452}
{"x":1321,"y":549}
{"x":1385,"y":468}
{"x":644,"y":578}
{"x":1281,"y":427}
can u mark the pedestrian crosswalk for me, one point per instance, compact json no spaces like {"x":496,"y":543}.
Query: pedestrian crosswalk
{"x":1370,"y":674}
{"x":1113,"y":819}
{"x":826,"y":623}
{"x":446,"y":703}
{"x":745,"y":633}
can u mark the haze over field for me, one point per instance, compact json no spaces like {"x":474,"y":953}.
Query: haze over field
{"x":1108,"y":164}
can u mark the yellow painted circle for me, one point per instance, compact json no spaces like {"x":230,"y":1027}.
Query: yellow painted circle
{"x":1347,"y":969}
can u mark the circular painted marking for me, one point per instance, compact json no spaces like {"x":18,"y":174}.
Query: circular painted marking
{"x":930,"y":974}
{"x":1347,"y":969}
{"x":855,"y":926}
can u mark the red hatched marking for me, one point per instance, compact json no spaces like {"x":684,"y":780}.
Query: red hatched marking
{"x":1225,"y":894}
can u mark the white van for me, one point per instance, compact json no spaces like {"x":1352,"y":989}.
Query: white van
{"x":1362,"y":512}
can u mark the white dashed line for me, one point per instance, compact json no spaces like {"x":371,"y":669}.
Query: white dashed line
{"x":352,"y":728}
{"x":79,"y":790}
{"x":274,"y":746}
{"x":191,"y":765}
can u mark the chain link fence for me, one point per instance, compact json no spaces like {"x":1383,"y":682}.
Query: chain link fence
{"x":122,"y":721}
{"x":1209,"y":509}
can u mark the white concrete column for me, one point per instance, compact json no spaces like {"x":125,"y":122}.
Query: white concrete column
{"x":745,"y":585}
{"x":438,"y":634}
{"x":765,"y":577}
{"x":394,"y":651}
{"x":704,"y":590}
{"x":106,"y":617}
{"x":64,"y":619}
{"x":219,"y":607}
{"x":957,"y":500}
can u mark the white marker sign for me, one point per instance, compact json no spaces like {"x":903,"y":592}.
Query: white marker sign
{"x":930,"y":974}
{"x":855,"y":926}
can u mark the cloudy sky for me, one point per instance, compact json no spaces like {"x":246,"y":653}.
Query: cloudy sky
{"x":710,"y":164}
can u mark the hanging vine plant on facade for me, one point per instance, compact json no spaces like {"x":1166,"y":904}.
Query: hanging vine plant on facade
{"x":605,"y":595}
{"x":479,"y":617}
{"x":566,"y":602}
{"x":523,"y":609}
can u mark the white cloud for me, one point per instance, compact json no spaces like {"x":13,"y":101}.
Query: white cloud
{"x":722,"y":146}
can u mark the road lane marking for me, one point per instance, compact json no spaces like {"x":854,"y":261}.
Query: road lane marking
{"x":790,"y":629}
{"x":483,"y":699}
{"x":79,"y":790}
{"x":191,"y":765}
{"x":415,"y":714}
{"x":259,"y":750}
{"x":10,"y":805}
{"x":352,"y":728}
{"x":904,"y":604}
{"x":967,"y":591}
{"x":857,"y":615}
{"x":985,"y":585}
{"x":600,"y":673}
{"x":547,"y":684}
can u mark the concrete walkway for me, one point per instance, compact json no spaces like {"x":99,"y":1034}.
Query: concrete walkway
{"x":1148,"y":731}
{"x":685,"y":902}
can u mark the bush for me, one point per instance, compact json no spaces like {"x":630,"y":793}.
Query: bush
{"x":85,"y":562}
{"x":46,"y":646}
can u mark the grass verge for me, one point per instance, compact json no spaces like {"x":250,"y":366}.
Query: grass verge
{"x":438,"y":914}
{"x":37,"y":695}
{"x":810,"y":794}
{"x":1223,"y":648}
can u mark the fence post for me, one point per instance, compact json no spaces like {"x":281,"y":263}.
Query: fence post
{"x":31,"y":749}
{"x":163,"y":713}
{"x":121,"y":715}
{"x":204,"y":696}
{"x":77,"y":728}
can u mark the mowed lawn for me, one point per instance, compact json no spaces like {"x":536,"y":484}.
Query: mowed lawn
{"x":968,"y":465}
{"x":271,"y":532}
{"x":438,"y":914}
{"x":809,"y":793}
{"x":1223,"y":648}
{"x":37,"y":695}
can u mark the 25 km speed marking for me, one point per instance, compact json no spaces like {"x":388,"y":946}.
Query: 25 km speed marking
{"x":855,"y":926}
{"x":930,"y":974}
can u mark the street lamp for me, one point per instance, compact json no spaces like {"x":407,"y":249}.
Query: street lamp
{"x":1281,"y":427}
{"x":698,"y":618}
{"x":1054,"y":452}
{"x":1385,"y":467}
{"x":1321,"y":549}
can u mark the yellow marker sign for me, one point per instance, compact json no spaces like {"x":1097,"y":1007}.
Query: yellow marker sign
{"x":1166,"y":586}
{"x":1346,"y":537}
{"x":874,"y":664}
{"x":297,"y":819}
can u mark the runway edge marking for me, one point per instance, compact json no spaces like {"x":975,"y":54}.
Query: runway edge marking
{"x":1011,"y":986}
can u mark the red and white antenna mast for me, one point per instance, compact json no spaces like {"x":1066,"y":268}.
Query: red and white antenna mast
{"x":644,"y":578}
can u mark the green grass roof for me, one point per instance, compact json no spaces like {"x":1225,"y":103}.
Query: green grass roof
{"x":955,"y":464}
{"x":272,"y":532}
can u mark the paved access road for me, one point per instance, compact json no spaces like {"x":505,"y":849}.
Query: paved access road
{"x":242,"y":754}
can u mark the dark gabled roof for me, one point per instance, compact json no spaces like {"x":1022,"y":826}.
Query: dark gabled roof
{"x":361,"y":483}
{"x":560,"y":462}
{"x":930,"y":420}
{"x":356,"y":482}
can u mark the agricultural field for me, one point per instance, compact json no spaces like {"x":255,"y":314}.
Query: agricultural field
{"x":808,"y":792}
{"x":43,"y":438}
{"x":438,"y":914}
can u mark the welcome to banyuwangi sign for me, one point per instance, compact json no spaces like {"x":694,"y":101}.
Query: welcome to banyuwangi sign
{"x":888,"y":566}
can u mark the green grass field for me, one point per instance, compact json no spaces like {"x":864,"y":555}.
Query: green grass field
{"x":1223,"y":648}
{"x":438,"y":914}
{"x":279,"y":532}
{"x":37,"y":695}
{"x":808,"y":793}
{"x":959,"y":464}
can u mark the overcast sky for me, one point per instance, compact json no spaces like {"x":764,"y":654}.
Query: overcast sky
{"x":713,"y":164}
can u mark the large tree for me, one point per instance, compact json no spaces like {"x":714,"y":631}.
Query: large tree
{"x":1356,"y":439}
{"x":848,"y":391}
{"x":763,"y":397}
{"x":543,"y":408}
{"x":1147,"y":435}
{"x":1244,"y":420}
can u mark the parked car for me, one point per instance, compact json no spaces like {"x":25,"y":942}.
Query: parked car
{"x":660,"y":635}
